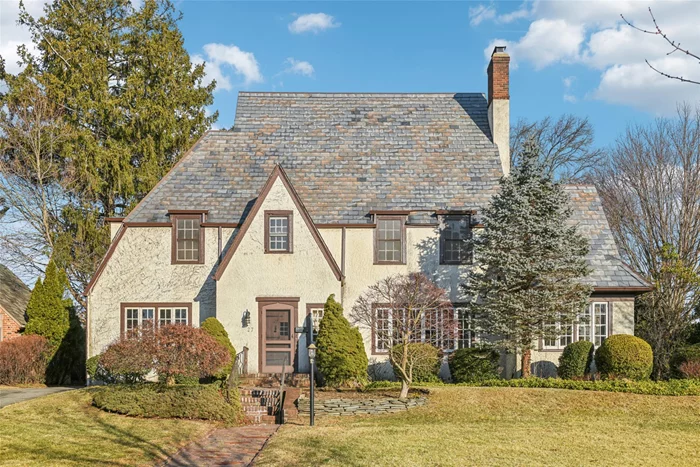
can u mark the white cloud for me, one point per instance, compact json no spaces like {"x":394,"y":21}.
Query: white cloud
{"x":313,"y":22}
{"x":592,"y":34}
{"x":480,"y":13}
{"x":12,"y":35}
{"x":299,"y":67}
{"x":568,"y":97}
{"x":220,"y":58}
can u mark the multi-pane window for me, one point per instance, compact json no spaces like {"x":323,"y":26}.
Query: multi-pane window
{"x":445,"y":328}
{"x":187,"y":239}
{"x":315,"y":315}
{"x":592,"y":325}
{"x":389,"y":241}
{"x":148,"y":316}
{"x":172,"y":316}
{"x":453,"y":240}
{"x":138,"y":318}
{"x":278,"y":232}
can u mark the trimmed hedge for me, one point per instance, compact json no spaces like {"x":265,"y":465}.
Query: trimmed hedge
{"x":674,"y":387}
{"x":427,"y":362}
{"x":202,"y":402}
{"x":575,"y":361}
{"x":215,"y":329}
{"x":23,"y":360}
{"x":473,"y":365}
{"x":624,"y":356}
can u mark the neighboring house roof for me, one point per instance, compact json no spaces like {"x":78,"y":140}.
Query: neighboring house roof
{"x":346,"y":154}
{"x":608,"y":269}
{"x":14,"y":295}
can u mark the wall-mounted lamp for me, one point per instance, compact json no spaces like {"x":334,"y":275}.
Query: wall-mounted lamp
{"x":246,"y":318}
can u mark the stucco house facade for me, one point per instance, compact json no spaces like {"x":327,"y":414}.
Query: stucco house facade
{"x":314,"y":194}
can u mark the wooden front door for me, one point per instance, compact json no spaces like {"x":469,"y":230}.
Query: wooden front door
{"x":277,"y":337}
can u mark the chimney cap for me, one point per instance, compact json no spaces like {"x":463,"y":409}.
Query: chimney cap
{"x":499,"y":49}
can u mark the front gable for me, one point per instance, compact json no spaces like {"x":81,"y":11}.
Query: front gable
{"x":278,"y":198}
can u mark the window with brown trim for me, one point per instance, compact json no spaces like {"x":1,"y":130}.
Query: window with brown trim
{"x":278,"y":231}
{"x":187,"y":239}
{"x":454,"y":234}
{"x":390,"y":240}
{"x":138,"y":316}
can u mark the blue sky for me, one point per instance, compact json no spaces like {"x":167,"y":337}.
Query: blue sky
{"x":564,"y":53}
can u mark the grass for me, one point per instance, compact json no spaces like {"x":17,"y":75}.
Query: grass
{"x":503,"y":426}
{"x":65,"y":430}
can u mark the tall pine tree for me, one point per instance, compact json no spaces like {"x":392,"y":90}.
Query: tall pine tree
{"x":531,"y":260}
{"x":133,"y":101}
{"x":48,"y":313}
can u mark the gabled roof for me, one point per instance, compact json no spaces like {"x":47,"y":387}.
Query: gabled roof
{"x":278,"y":173}
{"x":609,"y":272}
{"x":346,"y":154}
{"x":14,"y":295}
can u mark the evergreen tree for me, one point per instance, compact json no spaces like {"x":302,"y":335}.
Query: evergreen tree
{"x":48,"y":312}
{"x":531,"y":260}
{"x":133,"y":103}
{"x":341,"y":354}
{"x":215,"y":329}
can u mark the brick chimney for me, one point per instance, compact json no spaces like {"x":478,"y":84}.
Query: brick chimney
{"x":499,"y":104}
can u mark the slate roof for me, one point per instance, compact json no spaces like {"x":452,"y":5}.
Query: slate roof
{"x":346,"y":154}
{"x":604,"y":258}
{"x":14,"y":295}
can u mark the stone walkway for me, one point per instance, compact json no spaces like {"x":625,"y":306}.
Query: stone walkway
{"x":224,"y":447}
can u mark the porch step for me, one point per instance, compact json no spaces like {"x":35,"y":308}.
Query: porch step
{"x":261,"y":405}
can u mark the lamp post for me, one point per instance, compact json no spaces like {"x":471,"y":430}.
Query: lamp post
{"x":312,"y":360}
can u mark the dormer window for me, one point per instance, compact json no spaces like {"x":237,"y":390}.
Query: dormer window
{"x":454,"y":233}
{"x":187,"y":238}
{"x":278,"y":231}
{"x":390,"y":240}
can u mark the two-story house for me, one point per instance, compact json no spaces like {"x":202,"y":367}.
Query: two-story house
{"x":314,"y":194}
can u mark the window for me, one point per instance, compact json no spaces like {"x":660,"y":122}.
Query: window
{"x":592,"y":325}
{"x":315,"y":313}
{"x":447,"y":328}
{"x":188,"y":239}
{"x":139,"y":316}
{"x":389,"y":240}
{"x":455,"y":232}
{"x":278,"y":231}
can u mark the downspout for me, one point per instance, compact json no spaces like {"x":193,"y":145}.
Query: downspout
{"x":218,"y":259}
{"x":87,"y":336}
{"x":342,"y":267}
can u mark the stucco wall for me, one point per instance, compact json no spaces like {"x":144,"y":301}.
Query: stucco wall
{"x":304,"y":273}
{"x":140,"y":271}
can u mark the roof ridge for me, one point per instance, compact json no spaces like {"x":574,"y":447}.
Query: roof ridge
{"x":356,"y":93}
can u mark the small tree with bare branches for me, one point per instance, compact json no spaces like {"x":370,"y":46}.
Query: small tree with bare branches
{"x":674,"y":45}
{"x":401,"y":310}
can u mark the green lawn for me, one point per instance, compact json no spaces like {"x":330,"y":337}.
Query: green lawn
{"x":63,"y":429}
{"x":504,"y":426}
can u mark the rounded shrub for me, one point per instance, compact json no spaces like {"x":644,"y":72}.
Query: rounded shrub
{"x":689,"y":354}
{"x":215,"y":329}
{"x":474,"y":365}
{"x":575,"y":361}
{"x":624,"y":356}
{"x":424,"y":362}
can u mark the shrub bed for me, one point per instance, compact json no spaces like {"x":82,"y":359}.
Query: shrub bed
{"x":473,"y":365}
{"x":202,"y":402}
{"x":624,"y":356}
{"x":23,"y":360}
{"x":686,"y":357}
{"x":575,"y":360}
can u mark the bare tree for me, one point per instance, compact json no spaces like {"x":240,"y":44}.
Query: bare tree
{"x":400,"y":310}
{"x":31,"y":179}
{"x":650,"y":188}
{"x":566,"y":145}
{"x":675,"y":47}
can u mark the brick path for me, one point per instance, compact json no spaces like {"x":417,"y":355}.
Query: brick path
{"x":224,"y":447}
